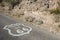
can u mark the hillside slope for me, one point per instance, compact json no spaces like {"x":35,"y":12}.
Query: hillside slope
{"x":45,"y":13}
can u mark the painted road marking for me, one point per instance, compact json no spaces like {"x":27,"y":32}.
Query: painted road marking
{"x":18,"y":29}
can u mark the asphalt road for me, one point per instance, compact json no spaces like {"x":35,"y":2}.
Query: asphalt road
{"x":36,"y":34}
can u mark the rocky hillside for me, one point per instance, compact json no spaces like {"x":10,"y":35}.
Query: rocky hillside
{"x":31,"y":5}
{"x":45,"y":13}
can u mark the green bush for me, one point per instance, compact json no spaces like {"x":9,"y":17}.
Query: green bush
{"x":1,"y":1}
{"x":58,"y":26}
{"x":2,"y":5}
{"x":56,"y":11}
{"x":12,"y":2}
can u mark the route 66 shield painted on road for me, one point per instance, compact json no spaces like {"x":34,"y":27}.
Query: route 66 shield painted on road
{"x":18,"y":29}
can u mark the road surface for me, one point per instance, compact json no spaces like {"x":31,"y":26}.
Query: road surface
{"x":35,"y":34}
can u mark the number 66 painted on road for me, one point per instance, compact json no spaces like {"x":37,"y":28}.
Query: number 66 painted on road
{"x":17,"y":29}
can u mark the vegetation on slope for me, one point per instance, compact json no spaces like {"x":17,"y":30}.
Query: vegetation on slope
{"x":11,"y":3}
{"x":55,"y":11}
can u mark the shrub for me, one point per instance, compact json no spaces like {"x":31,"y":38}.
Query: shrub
{"x":58,"y":26}
{"x":1,"y":1}
{"x":39,"y":22}
{"x":13,"y":2}
{"x":2,"y":5}
{"x":55,"y":11}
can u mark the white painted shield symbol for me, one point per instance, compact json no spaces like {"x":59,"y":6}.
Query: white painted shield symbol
{"x":18,"y":29}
